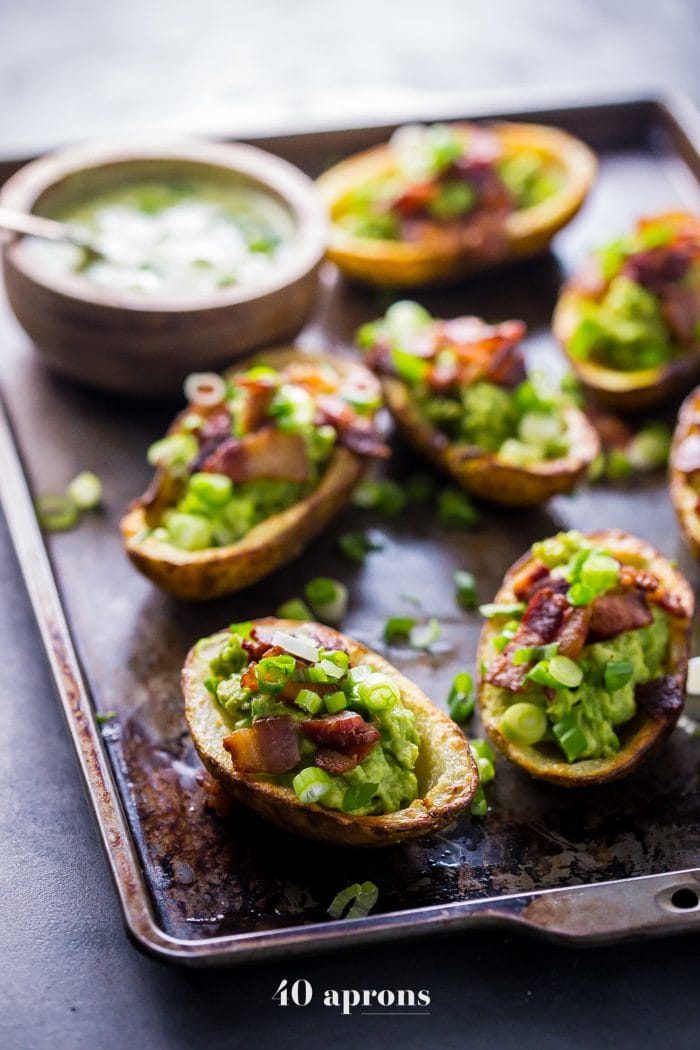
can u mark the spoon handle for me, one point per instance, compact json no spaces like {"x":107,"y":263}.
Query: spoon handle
{"x":34,"y":225}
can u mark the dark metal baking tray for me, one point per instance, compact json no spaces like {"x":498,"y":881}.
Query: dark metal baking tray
{"x":586,"y":866}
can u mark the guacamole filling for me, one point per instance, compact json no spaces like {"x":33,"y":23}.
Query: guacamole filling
{"x":639,"y":298}
{"x":252,"y":444}
{"x":583,"y":648}
{"x":443,"y":176}
{"x":467,"y":379}
{"x":304,"y":717}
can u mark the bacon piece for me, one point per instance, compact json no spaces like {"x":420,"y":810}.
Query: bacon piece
{"x":259,"y":394}
{"x":261,"y":639}
{"x":333,"y":761}
{"x":356,"y":433}
{"x":529,"y":579}
{"x":345,"y":732}
{"x":270,"y":745}
{"x":574,"y":632}
{"x":686,"y":455}
{"x":656,"y":593}
{"x":542,"y":622}
{"x":661,"y":698}
{"x":658,"y":269}
{"x":415,"y":198}
{"x":267,"y":453}
{"x":612,"y":614}
{"x":681,"y":310}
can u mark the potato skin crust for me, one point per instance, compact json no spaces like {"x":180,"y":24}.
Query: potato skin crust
{"x":402,"y":264}
{"x":613,"y":388}
{"x":447,"y":773}
{"x":646,"y":733}
{"x":206,"y":574}
{"x":683,"y":495}
{"x":483,"y":473}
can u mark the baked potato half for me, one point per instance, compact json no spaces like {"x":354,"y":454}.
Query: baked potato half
{"x":456,"y":387}
{"x":507,"y":212}
{"x":628,"y":321}
{"x":255,"y":546}
{"x":624,"y":655}
{"x":684,"y":471}
{"x":445,"y":771}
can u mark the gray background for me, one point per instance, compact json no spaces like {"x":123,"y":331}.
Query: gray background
{"x":68,"y":976}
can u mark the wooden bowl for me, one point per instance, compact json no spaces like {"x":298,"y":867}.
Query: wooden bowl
{"x":133,"y":344}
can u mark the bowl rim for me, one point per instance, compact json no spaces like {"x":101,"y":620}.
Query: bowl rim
{"x":288,"y":183}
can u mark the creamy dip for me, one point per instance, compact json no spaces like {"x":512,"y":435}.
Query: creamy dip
{"x":179,"y":238}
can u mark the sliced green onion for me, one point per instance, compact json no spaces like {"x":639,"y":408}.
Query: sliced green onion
{"x":580,"y":595}
{"x":566,"y":671}
{"x":190,"y":532}
{"x":273,"y":671}
{"x":205,"y":389}
{"x":523,"y":723}
{"x":617,"y":674}
{"x":311,"y":784}
{"x":104,"y":717}
{"x":336,"y":702}
{"x":599,"y":572}
{"x":482,"y":748}
{"x":357,"y":545}
{"x":173,"y":452}
{"x":358,"y":796}
{"x":529,"y":653}
{"x":540,"y":674}
{"x":461,"y":699}
{"x":377,"y":692}
{"x":328,"y":598}
{"x":214,"y":489}
{"x":486,"y":769}
{"x":479,"y":806}
{"x":455,"y":509}
{"x":398,"y":629}
{"x":385,"y":496}
{"x":85,"y":490}
{"x":365,"y":896}
{"x":425,"y":635}
{"x":309,"y":701}
{"x":331,"y":670}
{"x":572,"y":739}
{"x":617,"y":464}
{"x":494,"y":610}
{"x":56,"y":513}
{"x":294,"y":609}
{"x":465,"y":586}
{"x":409,"y":367}
{"x":650,"y":448}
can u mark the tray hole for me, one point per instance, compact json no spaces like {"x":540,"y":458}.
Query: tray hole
{"x":685,"y":898}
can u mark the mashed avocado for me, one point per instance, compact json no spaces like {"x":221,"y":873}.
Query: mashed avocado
{"x":384,"y":781}
{"x":625,"y":330}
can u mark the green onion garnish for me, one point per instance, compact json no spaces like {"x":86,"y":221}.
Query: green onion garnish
{"x":357,"y":545}
{"x":617,"y":674}
{"x":311,"y":784}
{"x":650,"y":448}
{"x":385,"y":496}
{"x":482,"y":748}
{"x":479,"y":806}
{"x":56,"y":513}
{"x":328,"y":598}
{"x":377,"y":692}
{"x":455,"y":509}
{"x":309,"y":701}
{"x":364,"y":895}
{"x":425,"y":635}
{"x":465,"y":586}
{"x":294,"y":609}
{"x":336,"y":702}
{"x":571,"y":737}
{"x":85,"y":490}
{"x":523,"y":723}
{"x":460,"y":701}
{"x":107,"y":716}
{"x":398,"y":629}
{"x":358,"y":796}
{"x":565,"y":671}
{"x":494,"y":610}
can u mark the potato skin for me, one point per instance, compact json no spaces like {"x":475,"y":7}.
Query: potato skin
{"x":683,"y":495}
{"x":646,"y":732}
{"x":206,"y":574}
{"x":446,"y":770}
{"x":483,"y":473}
{"x":613,"y":388}
{"x":416,"y":264}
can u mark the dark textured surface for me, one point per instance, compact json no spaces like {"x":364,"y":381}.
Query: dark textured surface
{"x":69,"y":976}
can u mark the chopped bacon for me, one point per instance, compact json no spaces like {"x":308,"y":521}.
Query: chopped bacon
{"x":529,"y":579}
{"x":216,"y":426}
{"x":333,"y":761}
{"x":259,"y":394}
{"x":656,"y":593}
{"x":267,"y":453}
{"x":658,"y":269}
{"x":415,"y":198}
{"x":356,"y":433}
{"x":542,"y":622}
{"x":661,"y":698}
{"x":613,"y":614}
{"x":260,"y":641}
{"x":574,"y":632}
{"x":686,"y":455}
{"x":270,"y":745}
{"x":681,"y":310}
{"x":345,"y":732}
{"x":506,"y":367}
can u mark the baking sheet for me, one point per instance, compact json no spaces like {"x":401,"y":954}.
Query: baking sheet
{"x":590,"y":865}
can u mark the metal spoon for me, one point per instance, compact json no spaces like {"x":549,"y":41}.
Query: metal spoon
{"x":49,"y":230}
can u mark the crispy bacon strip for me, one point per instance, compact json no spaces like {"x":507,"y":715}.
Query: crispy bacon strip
{"x":267,"y":453}
{"x":661,"y":698}
{"x":355,"y":432}
{"x":334,"y":761}
{"x":270,"y":745}
{"x":655,"y":592}
{"x":613,"y":614}
{"x":345,"y":732}
{"x":542,"y":622}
